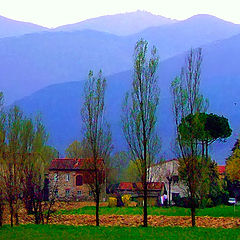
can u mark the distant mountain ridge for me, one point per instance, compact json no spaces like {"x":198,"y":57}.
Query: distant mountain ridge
{"x":119,"y":24}
{"x":193,"y":32}
{"x":9,"y":27}
{"x":33,"y":61}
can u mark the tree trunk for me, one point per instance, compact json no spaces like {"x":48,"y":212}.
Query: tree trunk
{"x":206,"y":151}
{"x":193,"y":211}
{"x":41,"y":212}
{"x":49,"y":210}
{"x":169,"y":192}
{"x":29,"y":207}
{"x":97,"y":206}
{"x":193,"y":215}
{"x":16,"y":219}
{"x":203,"y":150}
{"x":36,"y":212}
{"x":28,"y":204}
{"x":11,"y":213}
{"x":97,"y":191}
{"x":1,"y":208}
{"x":145,"y":224}
{"x":37,"y":217}
{"x":1,"y":212}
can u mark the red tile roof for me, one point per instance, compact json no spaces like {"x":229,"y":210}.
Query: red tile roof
{"x":221,"y":169}
{"x":155,"y":185}
{"x":151,"y":185}
{"x":138,"y":186}
{"x":86,"y":163}
{"x":125,"y":186}
{"x":72,"y":164}
{"x":62,"y":164}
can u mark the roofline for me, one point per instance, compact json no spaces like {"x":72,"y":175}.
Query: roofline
{"x":165,"y":161}
{"x":72,"y":170}
{"x":75,"y":158}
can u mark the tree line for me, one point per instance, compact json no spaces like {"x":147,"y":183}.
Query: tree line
{"x":24,"y":160}
{"x":195,"y":128}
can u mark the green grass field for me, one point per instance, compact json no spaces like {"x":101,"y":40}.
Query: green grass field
{"x":56,"y":232}
{"x":219,"y":211}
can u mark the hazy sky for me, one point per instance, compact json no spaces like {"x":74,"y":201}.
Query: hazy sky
{"x":52,"y":13}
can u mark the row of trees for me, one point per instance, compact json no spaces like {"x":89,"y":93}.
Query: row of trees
{"x":24,"y":159}
{"x":195,"y":129}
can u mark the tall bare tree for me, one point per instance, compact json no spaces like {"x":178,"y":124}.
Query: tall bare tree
{"x":96,"y":131}
{"x":139,"y":113}
{"x":187,"y":100}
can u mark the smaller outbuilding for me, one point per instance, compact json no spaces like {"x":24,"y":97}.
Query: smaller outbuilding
{"x":156,"y":191}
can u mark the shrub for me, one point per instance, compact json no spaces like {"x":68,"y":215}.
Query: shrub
{"x":112,"y":202}
{"x":206,"y":202}
{"x":220,"y":198}
{"x":126,"y":200}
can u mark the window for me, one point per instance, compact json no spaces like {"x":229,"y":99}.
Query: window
{"x":175,"y":195}
{"x":55,"y":177}
{"x":79,"y":193}
{"x":67,"y":177}
{"x":79,"y":180}
{"x":67,"y":193}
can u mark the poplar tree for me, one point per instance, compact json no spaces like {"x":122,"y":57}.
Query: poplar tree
{"x":97,"y":133}
{"x":139,"y":113}
{"x":188,"y":101}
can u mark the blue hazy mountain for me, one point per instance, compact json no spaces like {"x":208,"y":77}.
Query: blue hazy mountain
{"x":33,"y":61}
{"x":60,"y":104}
{"x":9,"y":27}
{"x":193,"y":32}
{"x":119,"y":24}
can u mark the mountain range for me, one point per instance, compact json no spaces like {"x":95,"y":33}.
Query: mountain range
{"x":33,"y":61}
{"x":45,"y":72}
{"x":120,"y":24}
{"x":10,"y":28}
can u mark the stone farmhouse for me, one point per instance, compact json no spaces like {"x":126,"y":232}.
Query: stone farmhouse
{"x":73,"y":179}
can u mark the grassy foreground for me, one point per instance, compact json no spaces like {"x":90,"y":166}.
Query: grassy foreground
{"x":56,"y":232}
{"x":219,"y":211}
